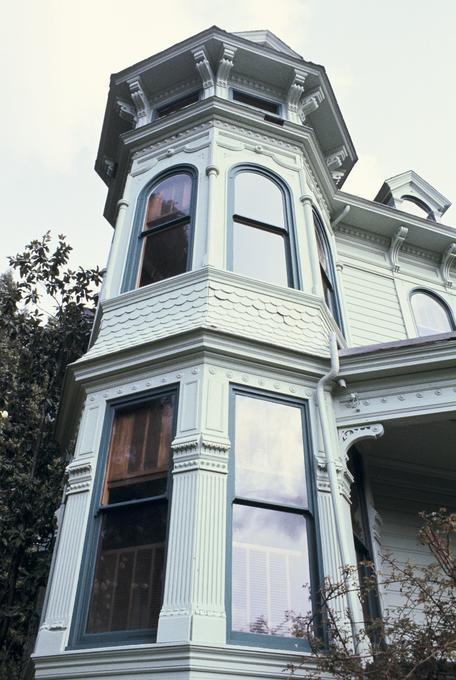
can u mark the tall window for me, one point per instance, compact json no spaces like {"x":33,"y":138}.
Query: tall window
{"x":260,"y":244}
{"x":272,"y":526}
{"x":131,"y":523}
{"x":327,"y":274}
{"x":166,"y":231}
{"x":430,"y":313}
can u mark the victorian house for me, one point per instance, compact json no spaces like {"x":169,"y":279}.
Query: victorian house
{"x":270,"y":389}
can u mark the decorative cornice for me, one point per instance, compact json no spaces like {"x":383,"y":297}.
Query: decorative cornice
{"x":204,"y":69}
{"x":79,"y":477}
{"x":448,"y":258}
{"x":256,"y":85}
{"x":351,"y":435}
{"x":310,"y":103}
{"x":140,"y":101}
{"x":200,"y":453}
{"x":396,"y":244}
{"x":226,"y":63}
{"x":355,"y":232}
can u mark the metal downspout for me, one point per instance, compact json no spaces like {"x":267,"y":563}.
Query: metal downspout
{"x":333,"y":481}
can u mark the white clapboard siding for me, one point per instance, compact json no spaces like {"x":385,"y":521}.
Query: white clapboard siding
{"x":372,"y":305}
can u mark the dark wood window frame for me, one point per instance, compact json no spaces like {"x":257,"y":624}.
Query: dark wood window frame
{"x":79,"y":638}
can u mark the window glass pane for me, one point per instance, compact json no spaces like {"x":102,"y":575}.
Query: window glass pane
{"x":258,"y":198}
{"x":257,"y":102}
{"x":430,"y":316}
{"x":259,"y":253}
{"x":165,"y":254}
{"x":269,"y":451}
{"x":270,"y":570}
{"x":169,"y":200}
{"x":139,"y":451}
{"x":128,"y":583}
{"x":322,"y":255}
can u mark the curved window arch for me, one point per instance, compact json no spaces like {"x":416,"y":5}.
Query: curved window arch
{"x":418,"y":207}
{"x":431,"y":313}
{"x":327,"y":272}
{"x":164,"y":220}
{"x":261,"y":243}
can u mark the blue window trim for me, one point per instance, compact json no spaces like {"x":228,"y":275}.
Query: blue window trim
{"x":78,"y":638}
{"x":310,"y":514}
{"x":135,"y":246}
{"x":253,"y":93}
{"x":292,"y":260}
{"x":320,"y":229}
{"x":437,"y":298}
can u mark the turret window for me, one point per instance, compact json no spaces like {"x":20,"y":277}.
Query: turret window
{"x":260,"y":242}
{"x":167,"y":229}
{"x":327,"y":274}
{"x":431,"y":314}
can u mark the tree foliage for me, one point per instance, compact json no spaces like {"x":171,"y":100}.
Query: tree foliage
{"x":35,"y":348}
{"x":416,"y":640}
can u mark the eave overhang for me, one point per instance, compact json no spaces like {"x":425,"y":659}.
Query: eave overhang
{"x":412,"y":356}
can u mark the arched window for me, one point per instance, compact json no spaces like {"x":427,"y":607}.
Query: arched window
{"x":166,"y":234}
{"x":430,"y":313}
{"x":261,"y":226}
{"x":417,"y":207}
{"x":327,"y":273}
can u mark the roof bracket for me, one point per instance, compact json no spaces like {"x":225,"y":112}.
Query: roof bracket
{"x":226,"y":63}
{"x":295,"y":92}
{"x":140,"y":101}
{"x":310,"y":103}
{"x":448,"y":258}
{"x":396,"y":244}
{"x":204,"y":69}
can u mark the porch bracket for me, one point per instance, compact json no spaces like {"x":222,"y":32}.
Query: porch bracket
{"x":351,"y":435}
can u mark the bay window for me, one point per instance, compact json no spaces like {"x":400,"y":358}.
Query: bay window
{"x":164,"y":245}
{"x":261,"y":234}
{"x":272,"y":543}
{"x":124,"y":584}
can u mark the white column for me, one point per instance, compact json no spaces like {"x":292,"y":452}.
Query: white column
{"x":54,"y":628}
{"x":111,"y":286}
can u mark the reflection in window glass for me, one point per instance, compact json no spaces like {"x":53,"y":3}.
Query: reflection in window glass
{"x":258,"y":198}
{"x":431,"y":316}
{"x":260,"y":253}
{"x":169,"y":200}
{"x":270,"y":568}
{"x":269,"y":451}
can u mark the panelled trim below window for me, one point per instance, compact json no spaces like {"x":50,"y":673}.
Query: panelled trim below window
{"x":121,"y":585}
{"x":430,"y":313}
{"x":261,"y":230}
{"x":162,"y":238}
{"x":272,"y":544}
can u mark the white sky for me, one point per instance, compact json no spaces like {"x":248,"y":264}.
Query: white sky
{"x":391,"y":64}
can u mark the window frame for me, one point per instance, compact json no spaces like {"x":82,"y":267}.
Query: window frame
{"x":310,"y":514}
{"x":135,"y":249}
{"x":167,"y":103}
{"x":249,"y":93}
{"x":291,"y":256}
{"x":331,"y":279}
{"x":79,"y":638}
{"x":437,"y":298}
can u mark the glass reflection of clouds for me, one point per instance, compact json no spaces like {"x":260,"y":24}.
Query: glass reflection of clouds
{"x":269,"y":451}
{"x":270,"y":570}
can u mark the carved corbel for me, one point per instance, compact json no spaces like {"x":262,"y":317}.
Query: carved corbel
{"x":396,"y":244}
{"x":79,"y":477}
{"x":140,"y":101}
{"x":226,"y":63}
{"x":126,"y":111}
{"x":351,"y":435}
{"x":335,"y":159}
{"x":205,"y":71}
{"x":448,"y":258}
{"x":310,"y":103}
{"x":295,"y":92}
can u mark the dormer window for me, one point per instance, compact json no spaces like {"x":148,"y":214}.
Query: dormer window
{"x":417,"y":207}
{"x":430,"y":313}
{"x":166,"y":233}
{"x":256,"y":102}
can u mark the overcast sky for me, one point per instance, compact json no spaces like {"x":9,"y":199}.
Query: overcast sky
{"x":391,"y":64}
